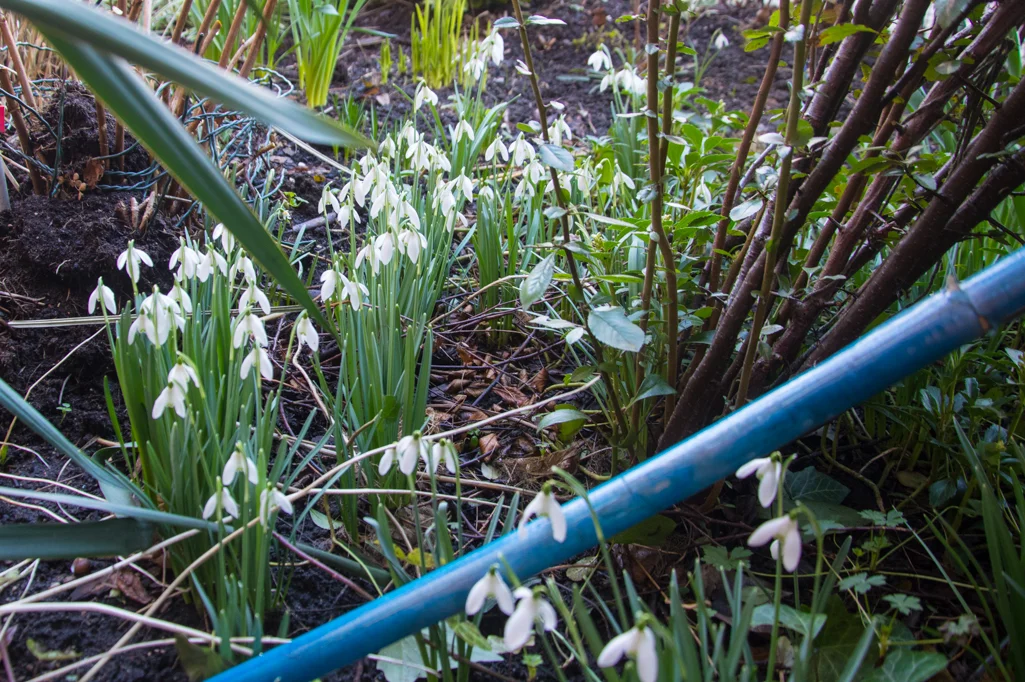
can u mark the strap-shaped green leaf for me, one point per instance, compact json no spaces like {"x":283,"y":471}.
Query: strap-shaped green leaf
{"x":103,"y":31}
{"x":138,"y":108}
{"x":111,"y":537}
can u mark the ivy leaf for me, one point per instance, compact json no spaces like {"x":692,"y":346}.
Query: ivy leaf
{"x":810,"y":485}
{"x":904,"y":665}
{"x":533,"y":287}
{"x":611,"y":327}
{"x":790,"y":618}
{"x":556,"y":157}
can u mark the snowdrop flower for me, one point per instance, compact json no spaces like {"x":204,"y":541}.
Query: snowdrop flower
{"x":496,"y":147}
{"x":187,"y":260}
{"x":328,"y":197}
{"x":145,"y":324}
{"x":130,"y":259}
{"x":249,"y":325}
{"x":157,"y":313}
{"x":463,"y":129}
{"x":210,"y":260}
{"x":782,"y":531}
{"x":475,"y":65}
{"x":248,"y":270}
{"x":226,"y":237}
{"x":408,"y":212}
{"x":600,"y":60}
{"x":545,"y":504}
{"x":307,"y":333}
{"x":329,"y":282}
{"x":445,"y":199}
{"x":173,"y":395}
{"x":182,"y":374}
{"x":464,"y":185}
{"x":270,"y":499}
{"x":486,"y":192}
{"x":105,"y":296}
{"x":181,"y":297}
{"x":522,"y":151}
{"x":769,"y":471}
{"x":406,"y":451}
{"x":353,"y":292}
{"x":491,"y":585}
{"x":522,"y":68}
{"x":639,"y":644}
{"x":531,"y":607}
{"x":534,"y":171}
{"x":494,"y":47}
{"x":721,"y":42}
{"x":411,"y":243}
{"x":347,"y":214}
{"x":252,"y":295}
{"x":559,"y":131}
{"x":239,"y":462}
{"x":259,"y":357}
{"x":387,"y":148}
{"x":222,"y":499}
{"x":424,"y":94}
{"x":442,"y":451}
{"x":620,"y":179}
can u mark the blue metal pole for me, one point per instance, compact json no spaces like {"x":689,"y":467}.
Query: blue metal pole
{"x":908,"y":342}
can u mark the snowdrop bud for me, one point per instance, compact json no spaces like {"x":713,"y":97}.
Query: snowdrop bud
{"x":239,"y":462}
{"x":491,"y":585}
{"x":545,"y":504}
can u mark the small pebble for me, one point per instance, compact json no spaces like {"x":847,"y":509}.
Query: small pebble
{"x":80,"y":567}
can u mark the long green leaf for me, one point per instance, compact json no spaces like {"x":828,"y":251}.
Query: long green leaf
{"x":111,"y":537}
{"x":119,"y":509}
{"x":31,"y":417}
{"x":153,"y":125}
{"x":103,"y":31}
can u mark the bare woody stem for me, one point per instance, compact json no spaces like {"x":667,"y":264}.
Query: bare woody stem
{"x":622,"y":426}
{"x":659,"y":240}
{"x":782,"y":190}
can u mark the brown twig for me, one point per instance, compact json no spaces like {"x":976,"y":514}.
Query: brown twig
{"x":38,"y":186}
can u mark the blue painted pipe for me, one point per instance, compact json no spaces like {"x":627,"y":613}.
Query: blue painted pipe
{"x":908,"y":342}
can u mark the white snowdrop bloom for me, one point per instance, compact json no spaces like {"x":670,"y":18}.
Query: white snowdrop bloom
{"x":307,"y":333}
{"x":769,"y":471}
{"x":439,"y":160}
{"x":105,"y":296}
{"x":384,"y":196}
{"x":328,"y":283}
{"x":530,"y":608}
{"x":444,"y":199}
{"x":182,"y":374}
{"x":534,"y":171}
{"x":408,"y":213}
{"x":639,"y":644}
{"x":181,"y":297}
{"x":328,"y":198}
{"x":131,"y":258}
{"x":270,"y":499}
{"x":559,"y":131}
{"x":621,"y":179}
{"x":226,"y":501}
{"x":485,"y":192}
{"x":253,"y":295}
{"x":406,"y":452}
{"x":257,"y":357}
{"x":464,"y":185}
{"x":248,"y":269}
{"x":226,"y":237}
{"x":145,"y":324}
{"x":545,"y":504}
{"x":186,"y":258}
{"x":494,"y":47}
{"x":475,"y":65}
{"x":491,"y":585}
{"x":377,"y":252}
{"x":522,"y":151}
{"x":522,"y":68}
{"x":238,"y":462}
{"x":442,"y":451}
{"x":496,"y":148}
{"x":157,"y":314}
{"x":411,"y":243}
{"x":424,"y":95}
{"x":387,"y":148}
{"x":600,"y":60}
{"x":249,"y":325}
{"x":721,"y":42}
{"x":524,"y":189}
{"x":348,"y":214}
{"x":584,"y":178}
{"x":210,"y":260}
{"x":782,"y":531}
{"x":419,"y":155}
{"x":352,"y":291}
{"x":463,"y":129}
{"x":173,"y":395}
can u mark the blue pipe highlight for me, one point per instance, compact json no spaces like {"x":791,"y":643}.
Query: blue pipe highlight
{"x":911,"y":340}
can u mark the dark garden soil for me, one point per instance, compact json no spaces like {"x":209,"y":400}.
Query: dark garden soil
{"x":52,"y":250}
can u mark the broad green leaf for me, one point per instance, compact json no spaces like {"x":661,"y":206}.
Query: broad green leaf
{"x":653,"y":386}
{"x":790,"y":618}
{"x":835,"y":34}
{"x":153,"y":125}
{"x":556,"y":157}
{"x":746,"y":209}
{"x":76,"y":21}
{"x":610,"y":326}
{"x":561,"y":416}
{"x":810,"y":485}
{"x":838,"y":641}
{"x":905,"y":665}
{"x":948,"y":10}
{"x":533,"y":287}
{"x":111,"y":537}
{"x":651,"y":532}
{"x":199,"y":662}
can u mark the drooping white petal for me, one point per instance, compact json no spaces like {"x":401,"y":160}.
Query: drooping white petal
{"x":769,"y":484}
{"x":617,"y":647}
{"x":769,"y":530}
{"x":752,"y":467}
{"x":647,"y":657}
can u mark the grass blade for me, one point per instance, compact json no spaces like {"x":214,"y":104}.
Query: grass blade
{"x":111,"y":537}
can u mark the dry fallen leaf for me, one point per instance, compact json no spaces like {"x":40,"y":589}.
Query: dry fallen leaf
{"x":512,"y":396}
{"x":129,"y":584}
{"x":488,"y":443}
